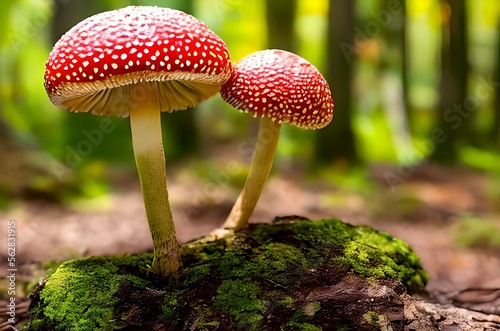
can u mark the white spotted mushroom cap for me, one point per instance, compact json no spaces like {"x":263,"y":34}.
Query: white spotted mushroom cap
{"x":170,"y":52}
{"x":282,"y":86}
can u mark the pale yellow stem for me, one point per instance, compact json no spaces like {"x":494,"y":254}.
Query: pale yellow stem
{"x":260,"y":168}
{"x":150,"y":160}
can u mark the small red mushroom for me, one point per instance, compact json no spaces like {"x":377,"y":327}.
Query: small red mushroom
{"x":281,"y":87}
{"x":139,"y":61}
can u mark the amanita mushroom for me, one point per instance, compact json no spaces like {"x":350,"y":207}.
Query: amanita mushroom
{"x":280,"y":87}
{"x":139,"y":61}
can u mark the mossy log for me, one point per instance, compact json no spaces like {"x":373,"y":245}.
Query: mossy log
{"x":290,"y":275}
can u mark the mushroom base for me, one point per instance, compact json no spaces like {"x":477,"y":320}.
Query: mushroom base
{"x":291,"y":275}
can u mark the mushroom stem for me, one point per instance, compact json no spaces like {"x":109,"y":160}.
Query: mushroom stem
{"x":260,"y":168}
{"x":150,"y":160}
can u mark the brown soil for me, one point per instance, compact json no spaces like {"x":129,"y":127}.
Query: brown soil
{"x":424,"y":210}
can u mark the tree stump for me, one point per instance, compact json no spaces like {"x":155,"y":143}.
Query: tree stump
{"x":290,"y":275}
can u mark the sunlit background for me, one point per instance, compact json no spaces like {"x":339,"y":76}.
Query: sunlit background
{"x":413,"y":146}
{"x":394,"y":101}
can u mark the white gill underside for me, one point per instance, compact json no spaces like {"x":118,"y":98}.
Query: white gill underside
{"x":98,"y":99}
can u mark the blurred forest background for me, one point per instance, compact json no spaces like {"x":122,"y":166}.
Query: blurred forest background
{"x":413,"y":148}
{"x":412,"y":80}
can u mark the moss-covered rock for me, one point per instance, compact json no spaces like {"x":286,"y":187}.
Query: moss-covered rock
{"x":291,"y":275}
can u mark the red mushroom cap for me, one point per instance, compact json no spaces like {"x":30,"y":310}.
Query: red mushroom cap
{"x":97,"y":59}
{"x":282,"y":86}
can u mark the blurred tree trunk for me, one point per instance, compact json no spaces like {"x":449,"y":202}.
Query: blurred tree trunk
{"x":395,"y":56}
{"x":454,"y":119}
{"x":69,"y":13}
{"x":405,"y":64}
{"x":280,"y":22}
{"x":495,"y":131}
{"x":336,"y":141}
{"x":393,"y":68}
{"x":280,"y":18}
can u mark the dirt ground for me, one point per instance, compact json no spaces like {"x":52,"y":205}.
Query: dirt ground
{"x":426,"y":208}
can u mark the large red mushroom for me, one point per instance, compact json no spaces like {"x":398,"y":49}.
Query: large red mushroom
{"x":140,"y":61}
{"x":281,"y":87}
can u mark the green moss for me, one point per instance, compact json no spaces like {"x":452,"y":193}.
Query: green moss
{"x":372,"y":317}
{"x":270,"y":261}
{"x":380,"y":255}
{"x":286,"y":302}
{"x":236,"y":282}
{"x":303,"y":327}
{"x":80,"y":294}
{"x":170,"y":304}
{"x":364,"y":250}
{"x":241,"y":300}
{"x":297,"y":322}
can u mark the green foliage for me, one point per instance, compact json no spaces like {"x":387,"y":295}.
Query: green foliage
{"x":486,"y":160}
{"x":26,"y":39}
{"x":476,"y":232}
{"x":374,"y":136}
{"x":347,"y":178}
